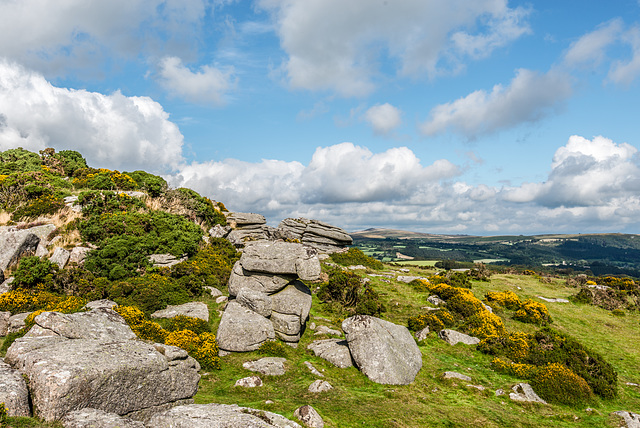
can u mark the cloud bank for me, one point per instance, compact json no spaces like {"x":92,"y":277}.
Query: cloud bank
{"x":109,"y":130}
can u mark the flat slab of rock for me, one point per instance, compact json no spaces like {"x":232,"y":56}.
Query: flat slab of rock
{"x":218,"y":415}
{"x":282,"y":258}
{"x":385,"y":352}
{"x":266,"y":283}
{"x":323,"y":329}
{"x":631,"y":419}
{"x":94,"y":418}
{"x":243,"y":219}
{"x":98,"y":324}
{"x":336,"y":351}
{"x":243,"y":330}
{"x":192,"y":309}
{"x":269,"y":366}
{"x":16,"y":322}
{"x":103,"y":303}
{"x":552,"y":300}
{"x":309,"y":416}
{"x":523,"y":392}
{"x":165,"y":260}
{"x":13,"y":391}
{"x":452,"y":337}
{"x":456,"y":375}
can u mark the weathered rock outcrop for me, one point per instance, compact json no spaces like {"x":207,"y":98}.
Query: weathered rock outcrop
{"x":94,"y":418}
{"x":385,"y":352}
{"x":15,"y":244}
{"x":191,"y":309}
{"x":309,"y":416}
{"x":60,"y":257}
{"x":218,"y":415}
{"x":268,"y":366}
{"x":165,"y":260}
{"x":93,"y":360}
{"x":247,"y":227}
{"x":319,"y":235}
{"x":336,"y":351}
{"x":524,"y":392}
{"x":265,"y":284}
{"x":13,"y":391}
{"x":4,"y":323}
{"x":452,"y":337}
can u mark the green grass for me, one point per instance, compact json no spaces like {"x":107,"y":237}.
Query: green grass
{"x":418,"y":262}
{"x":430,"y":400}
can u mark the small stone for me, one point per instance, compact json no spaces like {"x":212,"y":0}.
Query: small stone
{"x":222,"y":299}
{"x":456,"y":375}
{"x":309,"y":416}
{"x":268,"y":366}
{"x":524,"y":392}
{"x":320,"y":386}
{"x":499,"y":392}
{"x":422,"y":334}
{"x":478,"y":387}
{"x":249,"y":382}
{"x":312,"y":369}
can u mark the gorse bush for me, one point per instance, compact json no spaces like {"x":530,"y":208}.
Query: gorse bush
{"x":356,"y":257}
{"x":559,"y":384}
{"x":183,"y":322}
{"x":272,"y":348}
{"x":528,"y":311}
{"x":98,"y":202}
{"x":435,"y":320}
{"x":33,"y":272}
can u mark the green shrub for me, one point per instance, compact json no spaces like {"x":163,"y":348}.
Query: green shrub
{"x":151,"y":184}
{"x":71,"y":161}
{"x":19,"y":160}
{"x":97,"y":202}
{"x":33,"y":271}
{"x":272,"y":348}
{"x":356,"y":257}
{"x":348,"y":290}
{"x":150,"y":292}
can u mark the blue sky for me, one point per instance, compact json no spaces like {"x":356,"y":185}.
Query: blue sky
{"x":444,"y":116}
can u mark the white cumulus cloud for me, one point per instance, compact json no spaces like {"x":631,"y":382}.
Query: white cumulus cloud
{"x":383,"y":118}
{"x":336,"y":45}
{"x":206,"y":86}
{"x":529,"y":97}
{"x":113,"y":131}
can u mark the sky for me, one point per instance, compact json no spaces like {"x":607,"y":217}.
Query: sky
{"x":476,"y":117}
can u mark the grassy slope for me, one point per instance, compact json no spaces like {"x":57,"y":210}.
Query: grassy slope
{"x":430,"y":400}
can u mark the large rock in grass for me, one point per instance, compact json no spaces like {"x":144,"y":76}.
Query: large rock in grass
{"x":93,"y":418}
{"x":385,"y":352}
{"x":218,"y":415}
{"x":93,"y":360}
{"x":15,"y":244}
{"x":242,"y":329}
{"x":13,"y":391}
{"x":336,"y":351}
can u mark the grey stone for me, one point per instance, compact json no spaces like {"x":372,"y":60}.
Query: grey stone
{"x":312,"y":369}
{"x":94,"y":418}
{"x":289,"y":339}
{"x":103,"y":303}
{"x":243,"y":330}
{"x":14,"y":245}
{"x":219,"y":231}
{"x":287,"y":324}
{"x":214,"y":292}
{"x":13,"y":391}
{"x":243,"y":219}
{"x":456,"y":375}
{"x":267,"y":283}
{"x":78,"y":254}
{"x":218,"y":415}
{"x":165,"y":260}
{"x":322,"y":236}
{"x":385,"y":352}
{"x":98,"y":324}
{"x":269,"y":366}
{"x":549,"y":300}
{"x":320,"y":386}
{"x":435,"y":300}
{"x":16,"y":322}
{"x":116,"y":376}
{"x":295,"y":299}
{"x":6,"y":284}
{"x":357,"y":267}
{"x":422,"y":334}
{"x":407,"y":278}
{"x":336,"y":351}
{"x":282,"y":258}
{"x":524,"y":392}
{"x":255,"y":300}
{"x":60,"y":257}
{"x":452,"y":337}
{"x":4,"y":323}
{"x":323,"y":329}
{"x":632,"y":420}
{"x":309,"y":416}
{"x":221,"y":299}
{"x":249,"y":382}
{"x":192,"y":309}
{"x":249,"y":234}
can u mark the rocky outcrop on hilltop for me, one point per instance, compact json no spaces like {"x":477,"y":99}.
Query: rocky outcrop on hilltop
{"x":269,"y":299}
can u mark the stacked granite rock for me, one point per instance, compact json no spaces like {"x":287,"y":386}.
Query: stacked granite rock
{"x":268,"y":298}
{"x":319,"y":235}
{"x":247,"y":227}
